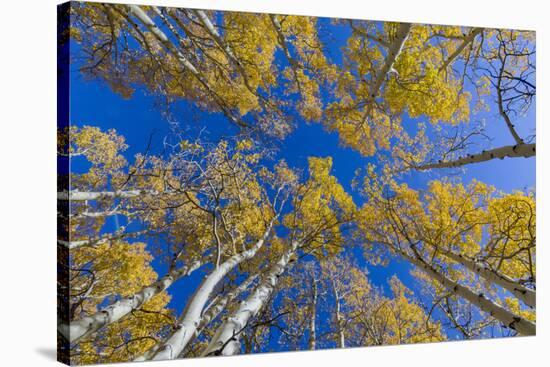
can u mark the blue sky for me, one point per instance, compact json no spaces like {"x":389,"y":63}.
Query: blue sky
{"x":93,"y":103}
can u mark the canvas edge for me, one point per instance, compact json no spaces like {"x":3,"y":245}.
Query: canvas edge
{"x":63,"y":173}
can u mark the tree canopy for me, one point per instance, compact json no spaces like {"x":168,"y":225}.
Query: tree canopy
{"x":220,"y":237}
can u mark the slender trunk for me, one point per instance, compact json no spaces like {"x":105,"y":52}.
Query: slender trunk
{"x":284,"y":45}
{"x":85,"y":326}
{"x":465,"y":42}
{"x":191,"y":317}
{"x":282,"y":40}
{"x":339,"y":321}
{"x":90,"y":195}
{"x":216,"y":36}
{"x":220,"y":305}
{"x":172,"y":29}
{"x":393,"y":52}
{"x":184,"y":61}
{"x":313,"y":316}
{"x":71,"y":245}
{"x":142,"y":16}
{"x":506,"y":317}
{"x":226,"y":339}
{"x":526,"y":295}
{"x":226,"y":48}
{"x":103,"y":214}
{"x":501,"y":109}
{"x":210,"y":315}
{"x":512,"y":151}
{"x":211,"y":29}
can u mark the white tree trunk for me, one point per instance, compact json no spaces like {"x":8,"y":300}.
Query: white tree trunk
{"x":222,"y":303}
{"x":284,"y":45}
{"x":172,"y":29}
{"x":226,"y":339}
{"x":506,"y":317}
{"x":313,"y":316}
{"x":71,"y":245}
{"x":465,"y":42}
{"x":282,"y":40}
{"x":191,"y":317}
{"x":184,"y":61}
{"x":83,"y":327}
{"x":89,"y":195}
{"x":512,"y":151}
{"x":226,"y":48}
{"x":339,"y":320}
{"x":161,"y":37}
{"x":216,"y":35}
{"x":526,"y":295}
{"x":393,"y":52}
{"x":210,"y":315}
{"x":103,"y":214}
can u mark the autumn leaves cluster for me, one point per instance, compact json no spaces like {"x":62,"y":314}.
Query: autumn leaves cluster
{"x":272,"y":242}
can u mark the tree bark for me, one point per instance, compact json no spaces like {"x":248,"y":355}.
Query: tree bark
{"x":222,"y":303}
{"x":526,"y":295}
{"x":339,"y":321}
{"x":85,"y":326}
{"x":191,"y":317}
{"x":90,"y":195}
{"x":512,"y":151}
{"x":103,"y":214}
{"x":210,"y":315}
{"x":502,"y":112}
{"x":284,"y":45}
{"x":216,"y":36}
{"x":226,"y":339}
{"x":71,"y":245}
{"x":394,"y":50}
{"x":313,"y":316}
{"x":228,"y":51}
{"x":184,"y":61}
{"x":506,"y":317}
{"x":465,"y":42}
